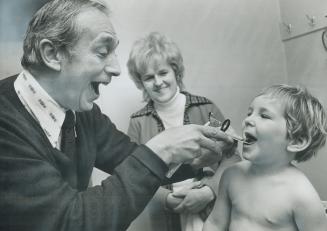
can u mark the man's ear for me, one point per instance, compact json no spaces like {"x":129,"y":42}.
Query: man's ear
{"x":299,"y":144}
{"x":50,"y":54}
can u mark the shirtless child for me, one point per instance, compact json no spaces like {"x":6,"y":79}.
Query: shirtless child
{"x":266,"y":191}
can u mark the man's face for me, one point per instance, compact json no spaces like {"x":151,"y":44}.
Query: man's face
{"x":92,"y":61}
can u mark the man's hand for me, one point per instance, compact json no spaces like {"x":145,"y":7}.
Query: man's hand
{"x":206,"y":158}
{"x":184,"y":144}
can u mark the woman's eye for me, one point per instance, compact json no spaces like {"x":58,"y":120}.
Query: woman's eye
{"x":163,"y":73}
{"x":147,"y":78}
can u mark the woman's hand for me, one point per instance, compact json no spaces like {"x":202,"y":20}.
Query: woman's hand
{"x":195,"y":200}
{"x":172,"y":202}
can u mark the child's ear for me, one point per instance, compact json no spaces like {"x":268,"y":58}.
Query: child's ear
{"x":299,"y":144}
{"x":50,"y":55}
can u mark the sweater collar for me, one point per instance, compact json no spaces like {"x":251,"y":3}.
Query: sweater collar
{"x":191,"y":100}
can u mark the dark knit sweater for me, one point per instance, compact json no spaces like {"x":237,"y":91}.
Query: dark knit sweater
{"x":40,"y":191}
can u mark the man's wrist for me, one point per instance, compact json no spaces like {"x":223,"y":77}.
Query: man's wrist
{"x":161,"y":151}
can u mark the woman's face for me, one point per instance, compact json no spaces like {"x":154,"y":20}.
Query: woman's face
{"x":159,"y":81}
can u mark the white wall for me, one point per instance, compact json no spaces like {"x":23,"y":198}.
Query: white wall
{"x":306,"y":62}
{"x":231,"y":48}
{"x":14,"y":17}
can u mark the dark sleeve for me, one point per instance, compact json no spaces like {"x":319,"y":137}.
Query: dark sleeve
{"x":114,"y":146}
{"x":35,"y":196}
{"x":136,"y":173}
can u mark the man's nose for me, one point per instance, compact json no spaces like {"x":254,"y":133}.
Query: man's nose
{"x":112,"y":67}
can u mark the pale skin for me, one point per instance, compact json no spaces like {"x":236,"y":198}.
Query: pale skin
{"x":199,"y":145}
{"x":283,"y":200}
{"x":265,"y":191}
{"x":195,"y":199}
{"x":191,"y":199}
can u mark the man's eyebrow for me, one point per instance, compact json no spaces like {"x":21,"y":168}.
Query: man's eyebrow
{"x":108,"y":38}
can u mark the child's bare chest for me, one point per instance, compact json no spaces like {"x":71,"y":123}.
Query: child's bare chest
{"x":265,"y":203}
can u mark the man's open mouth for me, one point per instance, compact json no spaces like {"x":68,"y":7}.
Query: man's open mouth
{"x":95,"y":86}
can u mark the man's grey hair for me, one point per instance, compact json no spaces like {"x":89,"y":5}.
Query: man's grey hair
{"x":55,"y":21}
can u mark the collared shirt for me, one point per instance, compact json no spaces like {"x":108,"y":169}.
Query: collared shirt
{"x":44,"y":109}
{"x":191,"y":100}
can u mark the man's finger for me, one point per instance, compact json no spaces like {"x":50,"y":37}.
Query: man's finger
{"x":215,"y":133}
{"x":207,"y":158}
{"x":213,"y":145}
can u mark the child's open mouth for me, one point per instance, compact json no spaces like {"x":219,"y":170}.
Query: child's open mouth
{"x":249,"y":139}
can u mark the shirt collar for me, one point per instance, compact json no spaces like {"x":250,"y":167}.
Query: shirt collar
{"x":191,"y":100}
{"x":49,"y":114}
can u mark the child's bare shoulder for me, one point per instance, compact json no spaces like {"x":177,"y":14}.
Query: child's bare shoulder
{"x":301,"y":185}
{"x":297,"y":180}
{"x":305,"y":202}
{"x":301,"y":192}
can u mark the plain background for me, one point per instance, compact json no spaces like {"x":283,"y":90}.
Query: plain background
{"x":231,"y":49}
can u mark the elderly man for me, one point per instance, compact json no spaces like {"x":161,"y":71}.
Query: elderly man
{"x":52,"y":134}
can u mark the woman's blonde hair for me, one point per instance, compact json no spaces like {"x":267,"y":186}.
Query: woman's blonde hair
{"x":154,"y":47}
